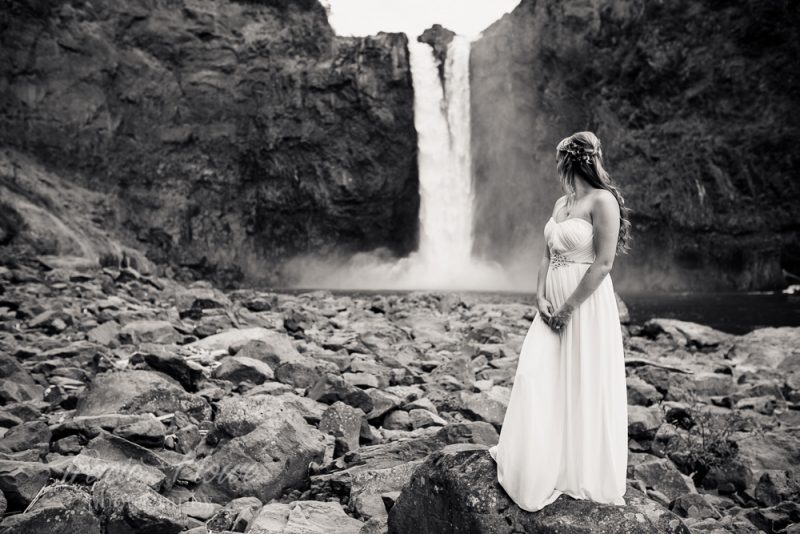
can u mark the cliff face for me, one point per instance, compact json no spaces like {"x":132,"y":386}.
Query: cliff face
{"x":694,"y":103}
{"x":229,"y":135}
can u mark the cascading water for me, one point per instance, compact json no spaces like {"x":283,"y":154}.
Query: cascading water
{"x":444,"y":258}
{"x":441,"y":117}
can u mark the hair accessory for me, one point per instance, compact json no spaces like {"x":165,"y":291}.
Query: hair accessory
{"x":574,"y":152}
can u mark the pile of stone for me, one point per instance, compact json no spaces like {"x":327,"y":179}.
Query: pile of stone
{"x":133,"y":403}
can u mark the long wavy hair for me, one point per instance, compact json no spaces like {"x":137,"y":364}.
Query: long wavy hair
{"x":581,"y":154}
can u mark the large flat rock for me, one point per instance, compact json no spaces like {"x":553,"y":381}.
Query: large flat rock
{"x":456,"y":491}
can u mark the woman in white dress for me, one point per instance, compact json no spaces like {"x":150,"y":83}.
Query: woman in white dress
{"x":566,"y":427}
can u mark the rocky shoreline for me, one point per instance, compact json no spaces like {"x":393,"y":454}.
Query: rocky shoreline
{"x":134,"y":403}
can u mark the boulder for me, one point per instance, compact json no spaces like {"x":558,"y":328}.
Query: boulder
{"x":191,"y":301}
{"x":641,"y":393}
{"x":776,"y":485}
{"x":16,"y":384}
{"x":239,"y":369}
{"x":397,"y":420}
{"x":21,"y":481}
{"x":643,"y":422}
{"x":138,"y":391}
{"x":344,"y":423}
{"x":148,"y":432}
{"x":236,"y":416}
{"x":456,"y":489}
{"x":331,"y":388}
{"x":489,"y":406}
{"x":130,"y":507}
{"x":367,"y":486}
{"x":767,"y":348}
{"x":661,"y":475}
{"x":304,"y":517}
{"x":695,"y":506}
{"x":382,"y":403}
{"x":422,"y":418}
{"x":149,"y":331}
{"x":165,"y":358}
{"x":105,"y":334}
{"x":26,"y":436}
{"x":775,"y":518}
{"x":87,"y":468}
{"x":60,"y":509}
{"x":233,"y":340}
{"x":269,"y":459}
{"x":687,"y":334}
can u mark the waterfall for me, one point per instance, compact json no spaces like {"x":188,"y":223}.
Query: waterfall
{"x":441,"y":117}
{"x":444,"y":258}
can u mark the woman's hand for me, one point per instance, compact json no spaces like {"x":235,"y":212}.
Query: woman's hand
{"x":545,"y":308}
{"x":561,"y":316}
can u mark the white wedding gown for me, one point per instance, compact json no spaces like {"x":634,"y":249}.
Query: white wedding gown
{"x":566,"y":427}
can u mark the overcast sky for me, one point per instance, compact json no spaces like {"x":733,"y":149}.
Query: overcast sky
{"x":367,"y":17}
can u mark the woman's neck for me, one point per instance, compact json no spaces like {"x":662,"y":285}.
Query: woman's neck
{"x":581,"y":188}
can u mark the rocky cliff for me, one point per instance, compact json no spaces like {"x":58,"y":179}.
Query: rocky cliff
{"x":694,"y":102}
{"x":226,"y":136}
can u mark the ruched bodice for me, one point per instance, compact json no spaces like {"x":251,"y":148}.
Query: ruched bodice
{"x":571,"y":238}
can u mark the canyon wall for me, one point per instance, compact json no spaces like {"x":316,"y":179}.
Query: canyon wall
{"x":694,"y":103}
{"x":225,"y":136}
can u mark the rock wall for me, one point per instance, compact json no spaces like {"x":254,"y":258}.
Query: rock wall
{"x":228,"y":135}
{"x":694,"y":104}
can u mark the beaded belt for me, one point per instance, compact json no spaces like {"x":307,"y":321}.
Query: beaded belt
{"x":559,"y":260}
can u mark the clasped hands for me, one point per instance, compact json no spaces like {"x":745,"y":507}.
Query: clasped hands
{"x":555,"y":319}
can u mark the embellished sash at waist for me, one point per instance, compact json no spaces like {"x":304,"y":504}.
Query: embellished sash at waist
{"x":559,"y":260}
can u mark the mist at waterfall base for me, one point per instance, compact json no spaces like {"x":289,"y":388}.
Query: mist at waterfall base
{"x":444,"y":259}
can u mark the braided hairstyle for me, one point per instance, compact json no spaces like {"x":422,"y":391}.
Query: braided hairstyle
{"x":581,"y":154}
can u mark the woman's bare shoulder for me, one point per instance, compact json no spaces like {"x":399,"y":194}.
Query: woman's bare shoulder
{"x":604,"y":200}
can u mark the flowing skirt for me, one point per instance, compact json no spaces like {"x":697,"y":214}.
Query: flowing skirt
{"x":566,"y":426}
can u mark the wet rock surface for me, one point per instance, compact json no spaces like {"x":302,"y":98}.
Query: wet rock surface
{"x":655,"y":81}
{"x":352,"y":423}
{"x":220,"y":138}
{"x":455,"y":490}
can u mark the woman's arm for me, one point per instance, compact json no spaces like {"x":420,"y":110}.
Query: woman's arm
{"x":605,"y":214}
{"x":542,"y":303}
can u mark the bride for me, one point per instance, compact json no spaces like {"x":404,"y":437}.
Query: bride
{"x":566,"y":427}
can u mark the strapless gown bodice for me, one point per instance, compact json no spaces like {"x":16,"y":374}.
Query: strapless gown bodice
{"x":570,"y":239}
